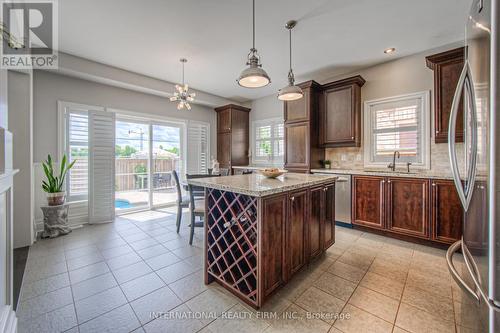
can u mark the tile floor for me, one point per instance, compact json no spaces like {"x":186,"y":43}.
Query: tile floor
{"x":110,"y":278}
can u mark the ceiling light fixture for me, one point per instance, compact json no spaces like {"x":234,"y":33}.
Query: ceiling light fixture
{"x":182,"y":95}
{"x":291,"y":92}
{"x":253,"y":76}
{"x":389,"y":50}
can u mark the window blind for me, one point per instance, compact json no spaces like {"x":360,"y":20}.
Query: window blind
{"x":197,"y":148}
{"x":78,"y":141}
{"x":268,"y":141}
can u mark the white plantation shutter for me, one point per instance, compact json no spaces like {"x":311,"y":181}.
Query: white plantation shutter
{"x":78,"y":144}
{"x":268,"y":141}
{"x":101,"y":166}
{"x":397,"y":124}
{"x":198,"y":138}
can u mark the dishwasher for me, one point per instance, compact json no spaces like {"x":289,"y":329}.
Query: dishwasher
{"x":342,"y":198}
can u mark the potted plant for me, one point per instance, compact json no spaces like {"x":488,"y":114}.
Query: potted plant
{"x":327,"y":164}
{"x":53,"y":185}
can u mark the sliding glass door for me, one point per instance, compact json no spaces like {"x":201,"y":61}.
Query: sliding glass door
{"x":146,"y":153}
{"x":132,"y":165}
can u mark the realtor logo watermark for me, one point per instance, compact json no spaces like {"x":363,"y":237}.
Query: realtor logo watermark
{"x":29,"y":34}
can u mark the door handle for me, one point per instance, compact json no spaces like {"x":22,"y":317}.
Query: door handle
{"x":454,"y":273}
{"x":464,"y":84}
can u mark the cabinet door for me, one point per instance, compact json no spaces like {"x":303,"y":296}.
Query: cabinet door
{"x":274,"y":211}
{"x":340,"y":117}
{"x":239,"y":137}
{"x":329,"y":223}
{"x":447,"y":215}
{"x":224,"y":121}
{"x":224,"y":149}
{"x":368,"y":201}
{"x":408,"y":206}
{"x":315,"y":243}
{"x":299,"y":109}
{"x":297,"y":145}
{"x":447,"y":68}
{"x":296,"y":231}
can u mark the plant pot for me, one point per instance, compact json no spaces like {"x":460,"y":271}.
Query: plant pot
{"x":56,"y":199}
{"x":328,"y":166}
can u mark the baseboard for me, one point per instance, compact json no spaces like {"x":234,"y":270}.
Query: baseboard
{"x":343,"y":224}
{"x":8,"y":320}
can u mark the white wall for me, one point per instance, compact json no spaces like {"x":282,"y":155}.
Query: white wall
{"x":19,"y":90}
{"x":266,"y":107}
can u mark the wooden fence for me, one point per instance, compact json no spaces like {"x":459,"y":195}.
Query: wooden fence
{"x":127,"y":179}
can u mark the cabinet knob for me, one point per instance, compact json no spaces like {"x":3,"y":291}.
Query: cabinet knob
{"x":292,"y":199}
{"x":433,"y":184}
{"x":383,"y":181}
{"x":388,"y":181}
{"x":325,"y":189}
{"x":352,"y":138}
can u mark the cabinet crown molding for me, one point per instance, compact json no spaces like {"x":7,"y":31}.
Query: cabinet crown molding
{"x":358,"y":80}
{"x":451,"y":55}
{"x":309,"y":84}
{"x":232,"y":106}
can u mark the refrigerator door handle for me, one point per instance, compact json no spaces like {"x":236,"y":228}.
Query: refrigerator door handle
{"x":474,"y":273}
{"x":454,"y":273}
{"x":464,"y":83}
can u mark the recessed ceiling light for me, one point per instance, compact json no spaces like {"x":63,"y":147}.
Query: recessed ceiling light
{"x":390,"y":50}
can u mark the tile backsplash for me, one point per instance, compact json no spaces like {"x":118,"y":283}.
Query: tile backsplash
{"x":352,"y":158}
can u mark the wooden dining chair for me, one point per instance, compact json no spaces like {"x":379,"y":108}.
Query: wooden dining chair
{"x":182,"y":201}
{"x":196,"y":204}
{"x":224,"y":172}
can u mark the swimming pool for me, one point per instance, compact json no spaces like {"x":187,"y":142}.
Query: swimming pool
{"x":121,"y":203}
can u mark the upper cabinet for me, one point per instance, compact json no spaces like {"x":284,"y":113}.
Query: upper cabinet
{"x":302,"y":150}
{"x":232,"y":135}
{"x":340,"y":113}
{"x":447,"y":67}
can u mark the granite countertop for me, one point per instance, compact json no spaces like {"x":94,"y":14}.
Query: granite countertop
{"x":254,"y":167}
{"x":259,"y":186}
{"x":388,"y":173}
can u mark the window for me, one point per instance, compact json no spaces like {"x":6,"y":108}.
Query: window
{"x":397,"y":124}
{"x":268,"y":141}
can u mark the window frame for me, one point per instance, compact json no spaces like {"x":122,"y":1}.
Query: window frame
{"x":424,"y":129}
{"x":274,"y":160}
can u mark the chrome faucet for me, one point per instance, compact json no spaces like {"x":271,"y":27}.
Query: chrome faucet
{"x":392,"y":165}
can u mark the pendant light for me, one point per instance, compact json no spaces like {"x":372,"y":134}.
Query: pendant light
{"x":253,"y":76}
{"x":291,"y":92}
{"x":182,"y":95}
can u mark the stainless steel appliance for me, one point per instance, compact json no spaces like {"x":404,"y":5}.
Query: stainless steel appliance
{"x":342,"y":198}
{"x":479,"y":186}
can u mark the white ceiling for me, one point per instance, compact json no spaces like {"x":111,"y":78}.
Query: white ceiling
{"x":332,"y":36}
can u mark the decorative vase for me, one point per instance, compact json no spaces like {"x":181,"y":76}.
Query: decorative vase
{"x":56,"y":199}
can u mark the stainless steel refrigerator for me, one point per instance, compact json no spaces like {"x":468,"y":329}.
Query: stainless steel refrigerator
{"x":477,"y":174}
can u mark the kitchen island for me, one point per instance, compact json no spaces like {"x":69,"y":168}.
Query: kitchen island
{"x":259,"y":232}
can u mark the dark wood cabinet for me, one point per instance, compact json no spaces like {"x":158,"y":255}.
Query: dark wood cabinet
{"x":446,"y":212}
{"x":408,"y":206}
{"x":302,"y":150}
{"x":368,"y":201}
{"x":315,"y":244}
{"x":273,"y":245}
{"x":232,"y":135}
{"x":447,"y":67}
{"x":340,"y":113}
{"x":296,"y":231}
{"x":415,"y":207}
{"x":329,"y":222}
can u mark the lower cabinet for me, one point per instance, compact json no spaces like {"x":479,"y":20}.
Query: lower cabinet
{"x":300,"y":226}
{"x":316,"y":218}
{"x":416,"y":207}
{"x":447,"y":215}
{"x":296,"y":231}
{"x":408,"y":206}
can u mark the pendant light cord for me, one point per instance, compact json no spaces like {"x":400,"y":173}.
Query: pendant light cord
{"x":290,"y":31}
{"x":182,"y":75}
{"x":253,"y":25}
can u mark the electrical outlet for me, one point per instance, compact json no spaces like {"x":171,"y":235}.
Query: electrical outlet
{"x":358,"y":157}
{"x":343,"y":157}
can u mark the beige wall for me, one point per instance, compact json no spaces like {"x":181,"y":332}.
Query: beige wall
{"x":48,"y":88}
{"x":19,"y":90}
{"x":402,"y":76}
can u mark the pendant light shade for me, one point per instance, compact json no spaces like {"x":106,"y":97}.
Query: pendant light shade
{"x":254,"y":76}
{"x":291,"y":92}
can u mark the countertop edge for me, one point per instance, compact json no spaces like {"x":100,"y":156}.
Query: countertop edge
{"x":381,"y":174}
